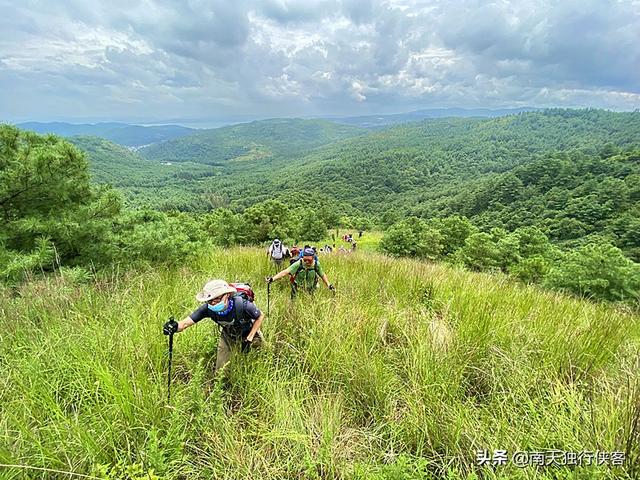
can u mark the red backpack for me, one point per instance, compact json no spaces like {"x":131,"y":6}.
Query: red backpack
{"x":244,"y":290}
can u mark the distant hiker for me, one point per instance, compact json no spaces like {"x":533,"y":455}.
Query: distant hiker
{"x":277,"y":252}
{"x":353,"y":246}
{"x":360,"y":234}
{"x":233,"y":310}
{"x":304,"y":273}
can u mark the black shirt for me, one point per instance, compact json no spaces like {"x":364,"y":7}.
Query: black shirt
{"x":251,"y":313}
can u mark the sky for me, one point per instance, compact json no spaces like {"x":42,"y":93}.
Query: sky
{"x":147,"y":61}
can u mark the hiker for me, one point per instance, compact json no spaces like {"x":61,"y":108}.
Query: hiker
{"x":233,"y":310}
{"x":304,"y":273}
{"x":277,"y":251}
{"x":353,"y":246}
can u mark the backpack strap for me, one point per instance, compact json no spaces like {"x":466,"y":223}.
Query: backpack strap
{"x":301,"y":267}
{"x":240,"y":304}
{"x":238,"y":315}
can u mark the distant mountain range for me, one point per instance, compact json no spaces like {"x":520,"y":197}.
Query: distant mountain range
{"x":415,"y":116}
{"x":136,"y":136}
{"x":120,"y":133}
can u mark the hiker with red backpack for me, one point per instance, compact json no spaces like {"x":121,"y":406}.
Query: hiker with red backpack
{"x":295,"y":254}
{"x":304,"y":273}
{"x":231,"y":307}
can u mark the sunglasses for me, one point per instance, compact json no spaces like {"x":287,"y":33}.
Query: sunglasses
{"x":213,"y":301}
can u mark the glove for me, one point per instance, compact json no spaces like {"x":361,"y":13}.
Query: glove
{"x":332,"y":288}
{"x":170,"y":327}
{"x":269,"y":279}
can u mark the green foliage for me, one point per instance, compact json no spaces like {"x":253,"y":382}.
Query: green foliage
{"x":531,"y":269}
{"x":226,"y":228}
{"x":403,"y":238}
{"x":310,"y":226}
{"x":598,"y":271}
{"x":157,"y":237}
{"x":54,"y":217}
{"x":268,"y":220}
{"x":455,"y":230}
{"x":48,"y":206}
{"x":479,"y":252}
{"x":122,"y":471}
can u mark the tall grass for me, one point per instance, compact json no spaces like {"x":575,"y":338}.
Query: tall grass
{"x":405,"y":373}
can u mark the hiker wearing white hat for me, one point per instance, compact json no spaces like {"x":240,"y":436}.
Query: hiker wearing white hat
{"x":233,"y":310}
{"x":277,"y":252}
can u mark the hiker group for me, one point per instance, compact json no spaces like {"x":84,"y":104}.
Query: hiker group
{"x":231,"y":305}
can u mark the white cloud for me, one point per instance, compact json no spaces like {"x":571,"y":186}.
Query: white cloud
{"x":276,"y":57}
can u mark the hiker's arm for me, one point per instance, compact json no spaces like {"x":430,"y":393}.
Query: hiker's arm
{"x":325,"y":279}
{"x":255,"y":327}
{"x":184,"y":324}
{"x":281,"y":274}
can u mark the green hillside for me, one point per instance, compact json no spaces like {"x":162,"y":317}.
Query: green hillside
{"x":408,"y":372}
{"x":259,"y":140}
{"x":143,"y":182}
{"x":412,"y":164}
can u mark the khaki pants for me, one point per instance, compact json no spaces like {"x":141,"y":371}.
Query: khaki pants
{"x":226,"y":347}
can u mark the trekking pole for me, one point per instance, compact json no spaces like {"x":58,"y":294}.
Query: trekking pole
{"x":268,"y":298}
{"x":170,"y":358}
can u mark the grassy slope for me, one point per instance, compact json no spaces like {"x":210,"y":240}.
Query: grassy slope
{"x":404,"y":374}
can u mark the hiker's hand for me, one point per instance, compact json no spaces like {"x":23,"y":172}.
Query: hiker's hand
{"x":170,"y":327}
{"x":246,"y":344}
{"x":332,"y":288}
{"x":269,"y":279}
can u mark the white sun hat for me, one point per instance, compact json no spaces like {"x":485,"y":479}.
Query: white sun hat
{"x":213,"y":289}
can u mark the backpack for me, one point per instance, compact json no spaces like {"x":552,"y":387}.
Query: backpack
{"x":238,"y":322}
{"x":244,"y":290}
{"x":276,"y":251}
{"x":301,"y":267}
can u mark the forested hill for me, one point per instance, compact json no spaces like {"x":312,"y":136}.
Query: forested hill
{"x":144,"y":182}
{"x":415,"y":164}
{"x":259,"y":140}
{"x":429,"y":168}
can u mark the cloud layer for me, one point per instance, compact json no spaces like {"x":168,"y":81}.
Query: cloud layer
{"x":193,"y":59}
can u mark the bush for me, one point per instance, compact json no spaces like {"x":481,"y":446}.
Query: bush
{"x":597,"y":271}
